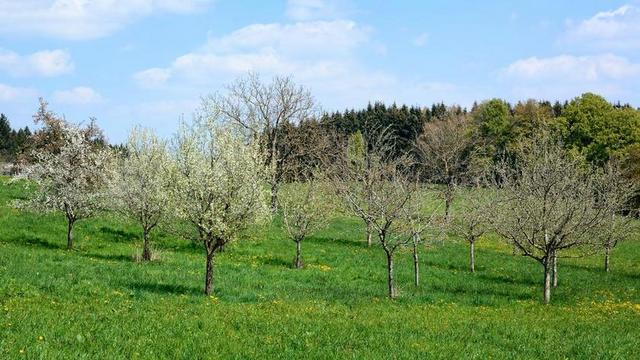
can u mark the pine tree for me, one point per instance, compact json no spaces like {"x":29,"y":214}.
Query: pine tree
{"x":7,"y":139}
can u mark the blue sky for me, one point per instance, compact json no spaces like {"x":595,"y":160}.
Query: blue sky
{"x":147,"y":62}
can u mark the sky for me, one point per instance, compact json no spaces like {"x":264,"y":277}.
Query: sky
{"x":149,"y":62}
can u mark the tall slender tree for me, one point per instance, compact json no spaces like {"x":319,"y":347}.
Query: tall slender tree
{"x":443,"y":151}
{"x":391,"y":189}
{"x":260,"y":110}
{"x":141,"y":183}
{"x":306,"y":207}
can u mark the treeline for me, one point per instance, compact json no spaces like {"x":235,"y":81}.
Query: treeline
{"x":588,"y":125}
{"x":12,"y":142}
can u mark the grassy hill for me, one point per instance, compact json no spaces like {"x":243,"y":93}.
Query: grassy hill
{"x":96,"y":302}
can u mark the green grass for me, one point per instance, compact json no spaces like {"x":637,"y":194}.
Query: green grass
{"x":95,"y":302}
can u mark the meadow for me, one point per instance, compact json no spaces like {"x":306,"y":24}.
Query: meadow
{"x":96,"y":302}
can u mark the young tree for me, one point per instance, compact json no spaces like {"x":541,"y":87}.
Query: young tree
{"x":261,"y":110}
{"x":471,"y":220}
{"x":615,"y":194}
{"x":141,"y":183}
{"x":73,"y":176}
{"x":360,"y":154}
{"x":218,"y":184}
{"x":419,"y":218}
{"x":305,"y":209}
{"x":547,"y":205}
{"x":443,"y":151}
{"x":391,"y":189}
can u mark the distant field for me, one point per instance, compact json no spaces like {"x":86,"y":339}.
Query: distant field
{"x":95,"y":302}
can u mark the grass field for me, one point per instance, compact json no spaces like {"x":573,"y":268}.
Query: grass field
{"x":95,"y":302}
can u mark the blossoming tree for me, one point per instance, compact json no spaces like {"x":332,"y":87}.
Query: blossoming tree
{"x":218,"y":184}
{"x":72,"y":177}
{"x":141,"y":186}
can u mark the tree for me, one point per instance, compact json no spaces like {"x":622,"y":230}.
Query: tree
{"x":261,"y":110}
{"x":615,"y":194}
{"x":391,"y":189}
{"x":443,"y":151}
{"x":547,"y":205}
{"x":418,"y":219}
{"x":305,"y":208}
{"x":471,"y":220}
{"x":73,"y":178}
{"x":599,"y":130}
{"x":218,"y":183}
{"x":359,"y":152}
{"x":6,"y":138}
{"x":141,"y":186}
{"x":493,"y":118}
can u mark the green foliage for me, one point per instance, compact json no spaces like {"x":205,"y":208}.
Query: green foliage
{"x":494,"y":121}
{"x":12,"y":142}
{"x":96,"y":302}
{"x":598,"y":129}
{"x":356,"y":150}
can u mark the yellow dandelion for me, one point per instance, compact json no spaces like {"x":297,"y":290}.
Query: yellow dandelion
{"x":40,"y":338}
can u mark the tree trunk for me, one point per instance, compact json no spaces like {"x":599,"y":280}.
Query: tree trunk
{"x":390,"y":281}
{"x":416,"y":265}
{"x":146,"y":250}
{"x":555,"y":270}
{"x":607,"y":254}
{"x":369,"y":242}
{"x":274,"y":198}
{"x":447,"y":208}
{"x":70,"y":223}
{"x":298,"y":261}
{"x":472,"y":256}
{"x":547,"y":280}
{"x":274,"y":168}
{"x":208,"y":280}
{"x":448,"y":199}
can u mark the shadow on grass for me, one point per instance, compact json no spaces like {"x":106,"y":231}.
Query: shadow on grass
{"x":118,"y":235}
{"x":275,"y":261}
{"x":447,"y":266}
{"x":36,"y":241}
{"x":633,"y":276}
{"x":338,"y":241}
{"x":186,"y":246}
{"x":484,"y":292}
{"x":501,"y":279}
{"x":109,"y":257}
{"x":156,"y":288}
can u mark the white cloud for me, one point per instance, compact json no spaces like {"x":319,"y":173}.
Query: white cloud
{"x":42,"y":63}
{"x":150,"y":78}
{"x":421,"y":40}
{"x":79,"y":95}
{"x":305,"y":10}
{"x":83,"y":19}
{"x":615,"y":29}
{"x":307,"y":50}
{"x":328,"y":57}
{"x":565,"y":76}
{"x":574,"y":68}
{"x":9,"y":93}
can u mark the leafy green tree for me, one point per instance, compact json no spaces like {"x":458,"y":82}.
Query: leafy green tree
{"x":599,"y":130}
{"x":493,"y":119}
